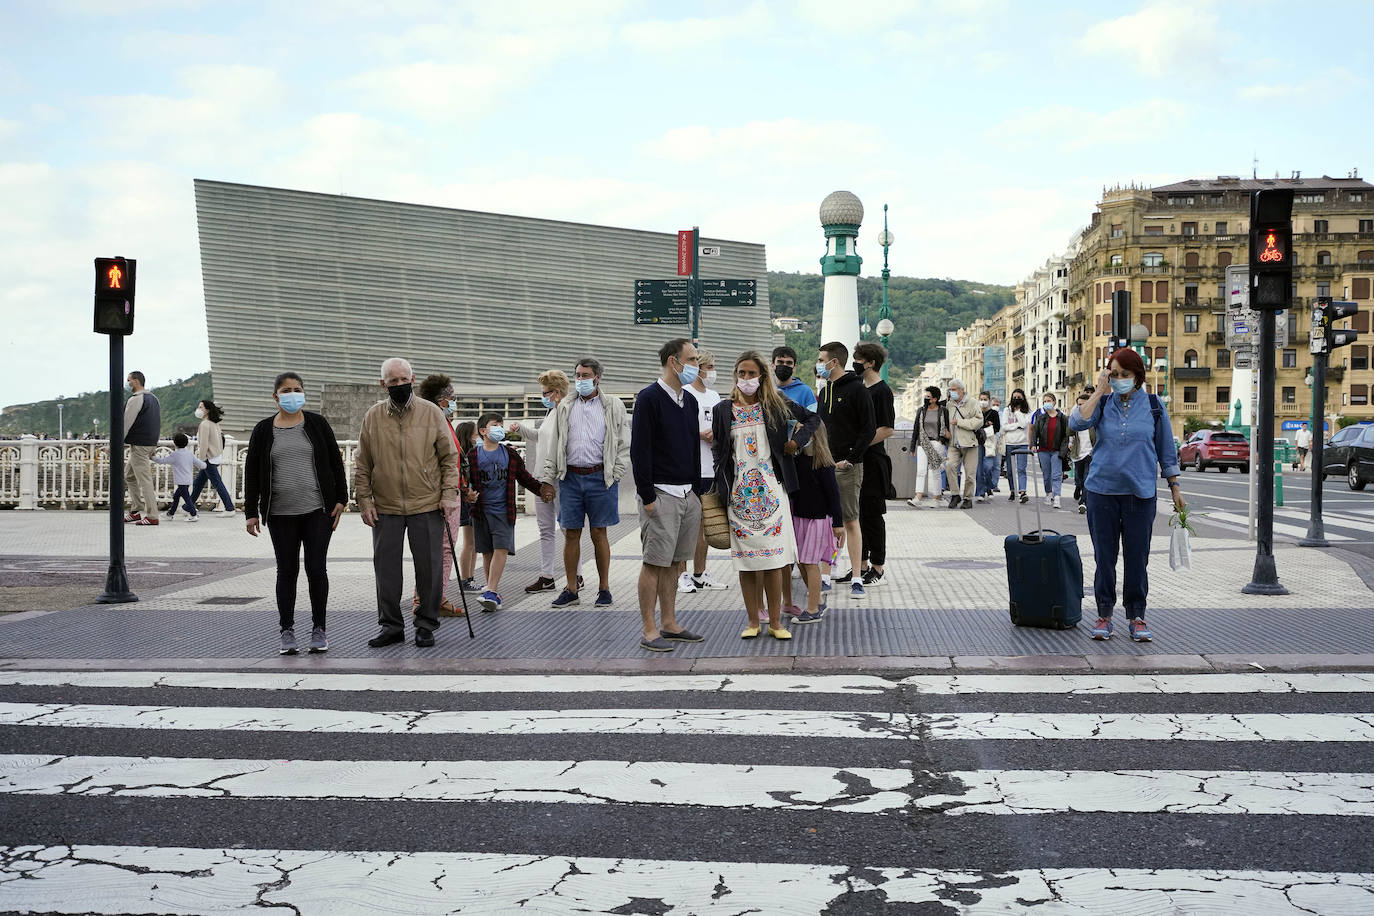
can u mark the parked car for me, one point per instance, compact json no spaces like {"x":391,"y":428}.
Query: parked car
{"x":1215,"y":448}
{"x":1351,"y":452}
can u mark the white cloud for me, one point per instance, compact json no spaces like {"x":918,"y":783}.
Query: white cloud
{"x":1330,"y":84}
{"x":8,"y":130}
{"x":691,"y":35}
{"x":788,"y":142}
{"x":1164,"y":38}
{"x":1072,"y":129}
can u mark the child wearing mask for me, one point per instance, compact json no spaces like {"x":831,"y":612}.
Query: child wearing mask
{"x":466,"y":434}
{"x":184,"y":465}
{"x":817,"y":520}
{"x":496,"y":468}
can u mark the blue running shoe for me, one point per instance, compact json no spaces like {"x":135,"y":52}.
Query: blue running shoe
{"x":603,"y":598}
{"x":856,"y":590}
{"x":1140,"y":632}
{"x":1103,"y":630}
{"x":490,"y":601}
{"x":566,"y":599}
{"x":808,"y":616}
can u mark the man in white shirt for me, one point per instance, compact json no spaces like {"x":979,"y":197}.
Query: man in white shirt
{"x":698,"y":579}
{"x":1304,"y":442}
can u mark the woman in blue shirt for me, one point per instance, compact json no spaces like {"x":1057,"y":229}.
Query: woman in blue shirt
{"x":1133,"y":438}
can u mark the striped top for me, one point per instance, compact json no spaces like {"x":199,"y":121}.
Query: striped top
{"x":295,"y":489}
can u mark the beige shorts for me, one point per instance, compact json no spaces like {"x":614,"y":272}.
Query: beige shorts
{"x":851,"y":480}
{"x":669,"y":535}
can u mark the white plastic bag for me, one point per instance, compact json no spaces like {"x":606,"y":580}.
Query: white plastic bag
{"x":1180,"y":549}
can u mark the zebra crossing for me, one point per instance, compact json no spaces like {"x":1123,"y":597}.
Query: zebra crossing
{"x":207,"y":792}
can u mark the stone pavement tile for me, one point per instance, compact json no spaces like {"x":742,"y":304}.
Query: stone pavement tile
{"x":1137,"y":663}
{"x":131,"y":664}
{"x":1020,"y":663}
{"x":1290,"y":662}
{"x":749,"y":664}
{"x":875,"y":662}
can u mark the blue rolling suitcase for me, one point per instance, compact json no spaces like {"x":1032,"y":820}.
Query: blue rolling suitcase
{"x":1044,"y":577}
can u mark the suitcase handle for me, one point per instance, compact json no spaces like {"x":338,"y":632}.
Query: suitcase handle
{"x":1038,"y":535}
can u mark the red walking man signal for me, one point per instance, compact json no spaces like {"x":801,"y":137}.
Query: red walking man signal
{"x":1271,"y":252}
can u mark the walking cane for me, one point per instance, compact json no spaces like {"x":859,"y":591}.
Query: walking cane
{"x":458,"y":574}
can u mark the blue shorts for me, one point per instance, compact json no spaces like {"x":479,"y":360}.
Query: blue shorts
{"x":584,"y":501}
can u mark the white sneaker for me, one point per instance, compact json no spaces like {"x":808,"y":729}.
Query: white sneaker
{"x":1054,"y":502}
{"x":914,"y":503}
{"x":684,"y":584}
{"x":193,"y":518}
{"x":705,"y":581}
{"x":1049,"y":501}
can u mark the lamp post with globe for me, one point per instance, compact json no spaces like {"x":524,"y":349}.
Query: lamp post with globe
{"x":885,"y":325}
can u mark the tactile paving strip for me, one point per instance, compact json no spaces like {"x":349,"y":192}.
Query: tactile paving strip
{"x":849,"y":630}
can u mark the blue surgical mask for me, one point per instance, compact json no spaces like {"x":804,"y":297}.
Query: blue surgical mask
{"x":585,"y":386}
{"x":1123,"y":385}
{"x":688,"y":375}
{"x":291,"y":401}
{"x":547,"y":402}
{"x":448,"y":411}
{"x":822,"y":371}
{"x":495,"y":433}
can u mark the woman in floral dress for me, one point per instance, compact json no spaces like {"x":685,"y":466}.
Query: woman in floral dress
{"x":755,"y":433}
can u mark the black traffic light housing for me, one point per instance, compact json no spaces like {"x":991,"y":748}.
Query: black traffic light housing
{"x":1121,"y":318}
{"x":1271,"y":249}
{"x":114,"y":295}
{"x":1334,"y":313}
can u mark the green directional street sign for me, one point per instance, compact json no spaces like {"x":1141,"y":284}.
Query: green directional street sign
{"x":661,"y":302}
{"x":729,"y":292}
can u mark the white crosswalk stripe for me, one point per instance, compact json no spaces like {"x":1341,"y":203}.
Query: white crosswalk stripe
{"x":497,"y":794}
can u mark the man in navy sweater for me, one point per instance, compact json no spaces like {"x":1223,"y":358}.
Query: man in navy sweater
{"x":665,"y":455}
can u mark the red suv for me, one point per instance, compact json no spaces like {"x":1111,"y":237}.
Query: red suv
{"x":1215,"y":448}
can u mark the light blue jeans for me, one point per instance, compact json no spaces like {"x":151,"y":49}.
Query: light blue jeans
{"x":1052,"y":472}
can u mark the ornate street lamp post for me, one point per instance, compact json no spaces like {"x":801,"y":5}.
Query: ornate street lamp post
{"x":885,"y":325}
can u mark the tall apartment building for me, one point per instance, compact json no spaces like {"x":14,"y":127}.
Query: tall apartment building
{"x":1170,"y":246}
{"x":1045,"y":330}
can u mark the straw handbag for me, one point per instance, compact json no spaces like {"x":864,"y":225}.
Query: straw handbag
{"x":713,"y":519}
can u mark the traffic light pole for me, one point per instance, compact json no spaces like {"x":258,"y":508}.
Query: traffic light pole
{"x":694,"y":287}
{"x":1265,"y":578}
{"x":1316,"y":528}
{"x":116,"y":579}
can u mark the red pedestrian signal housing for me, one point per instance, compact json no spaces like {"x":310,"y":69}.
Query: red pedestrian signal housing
{"x":114,"y":295}
{"x":1271,"y":249}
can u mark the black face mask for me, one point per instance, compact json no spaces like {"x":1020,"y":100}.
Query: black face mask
{"x":400,"y":394}
{"x":858,"y":368}
{"x":784,"y":373}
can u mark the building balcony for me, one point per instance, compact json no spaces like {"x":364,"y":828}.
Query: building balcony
{"x":1199,"y":303}
{"x":1216,"y":337}
{"x":1360,"y":267}
{"x":1192,"y":372}
{"x":1019,"y":351}
{"x":1076,"y":379}
{"x":1290,"y":410}
{"x":1078,"y":315}
{"x":1075,"y":346}
{"x":1191,"y":408}
{"x":1018,"y":373}
{"x":1335,"y":373}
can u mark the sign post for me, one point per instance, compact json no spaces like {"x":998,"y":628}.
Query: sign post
{"x":114,"y":316}
{"x":694,"y":288}
{"x":1316,"y":528}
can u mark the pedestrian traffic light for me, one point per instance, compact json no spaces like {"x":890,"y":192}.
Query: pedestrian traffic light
{"x":1271,"y":249}
{"x":1334,"y":313}
{"x":1121,"y":318}
{"x":114,"y":295}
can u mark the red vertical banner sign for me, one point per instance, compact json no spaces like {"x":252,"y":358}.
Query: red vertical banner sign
{"x":685,"y":253}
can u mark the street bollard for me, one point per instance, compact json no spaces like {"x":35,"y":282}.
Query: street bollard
{"x":1278,"y":482}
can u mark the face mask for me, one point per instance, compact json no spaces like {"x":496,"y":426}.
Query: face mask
{"x":495,"y":433}
{"x":956,"y":396}
{"x":821,"y":371}
{"x":547,"y":402}
{"x":585,"y":386}
{"x":710,"y":376}
{"x":200,"y":413}
{"x":983,"y":404}
{"x":858,"y":368}
{"x":1123,"y":385}
{"x":291,"y":401}
{"x":688,"y":375}
{"x":399,"y":394}
{"x":783,"y":373}
{"x":448,"y":411}
{"x":1048,"y":405}
{"x":749,"y":386}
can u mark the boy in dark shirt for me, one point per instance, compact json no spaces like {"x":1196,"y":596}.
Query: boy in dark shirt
{"x":497,"y":470}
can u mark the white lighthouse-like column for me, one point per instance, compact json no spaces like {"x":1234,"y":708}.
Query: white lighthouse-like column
{"x":841,"y":215}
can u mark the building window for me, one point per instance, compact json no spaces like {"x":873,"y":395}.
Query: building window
{"x":1221,"y":228}
{"x":1180,"y":200}
{"x":1290,"y":394}
{"x":1190,"y":229}
{"x":1191,"y":259}
{"x":1189,"y":394}
{"x":1223,"y":259}
{"x":1321,"y":226}
{"x":1151,"y":259}
{"x":1359,"y":394}
{"x":1367,"y":225}
{"x":1310,"y":199}
{"x":1324,"y":258}
{"x":1116,"y":260}
{"x":1365,"y":255}
{"x":1221,"y":322}
{"x":1162,"y":324}
{"x":1290,"y":359}
{"x":1323,"y":289}
{"x":1117,"y":231}
{"x":1223,"y":394}
{"x":1154,"y":230}
{"x":1190,"y":324}
{"x":1190,"y":293}
{"x":1359,"y":357}
{"x":1147,"y":291}
{"x":1223,"y":359}
{"x":1359,"y":288}
{"x":1357,"y":197}
{"x":1190,"y":359}
{"x":1292,"y":325}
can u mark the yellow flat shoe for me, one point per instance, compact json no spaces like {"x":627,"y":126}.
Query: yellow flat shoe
{"x":749,"y":632}
{"x":779,"y":633}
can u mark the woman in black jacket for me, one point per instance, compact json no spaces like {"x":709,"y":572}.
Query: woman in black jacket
{"x":294,"y":482}
{"x":754,"y":434}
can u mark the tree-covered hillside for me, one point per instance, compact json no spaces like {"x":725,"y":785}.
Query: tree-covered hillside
{"x":922,"y":310}
{"x":178,"y":400}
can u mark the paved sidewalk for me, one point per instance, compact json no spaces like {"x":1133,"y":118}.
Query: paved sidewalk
{"x":206,"y":597}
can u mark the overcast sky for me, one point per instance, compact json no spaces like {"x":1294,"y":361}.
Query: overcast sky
{"x":989,"y":127}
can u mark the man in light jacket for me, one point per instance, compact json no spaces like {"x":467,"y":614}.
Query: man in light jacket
{"x":588,"y":451}
{"x":965,"y":422}
{"x":554,"y":386}
{"x":142,"y":427}
{"x":405,"y":475}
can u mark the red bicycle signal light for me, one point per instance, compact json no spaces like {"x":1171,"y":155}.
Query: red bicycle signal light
{"x":1273,"y":251}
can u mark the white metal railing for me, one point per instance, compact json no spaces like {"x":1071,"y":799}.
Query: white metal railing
{"x":75,"y":473}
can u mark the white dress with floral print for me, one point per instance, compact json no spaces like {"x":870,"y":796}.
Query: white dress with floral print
{"x":760,"y":514}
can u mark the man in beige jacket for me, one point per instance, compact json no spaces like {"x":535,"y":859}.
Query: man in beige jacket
{"x":405,"y":474}
{"x":965,"y":422}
